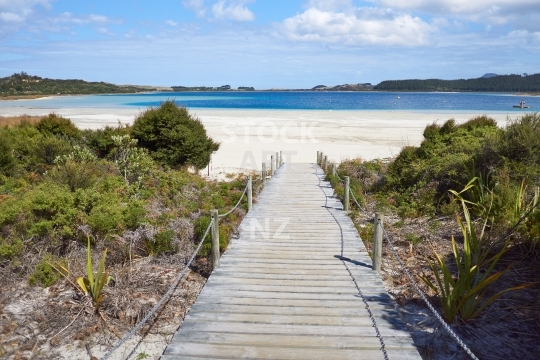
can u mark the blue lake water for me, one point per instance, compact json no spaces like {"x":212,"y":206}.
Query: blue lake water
{"x":295,"y":101}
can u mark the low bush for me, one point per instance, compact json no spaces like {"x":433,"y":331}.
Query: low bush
{"x":174,"y":137}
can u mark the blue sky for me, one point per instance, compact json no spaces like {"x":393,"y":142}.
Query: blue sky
{"x":268,"y":43}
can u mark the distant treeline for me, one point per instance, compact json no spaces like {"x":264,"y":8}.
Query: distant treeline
{"x":24,"y":84}
{"x":501,"y":83}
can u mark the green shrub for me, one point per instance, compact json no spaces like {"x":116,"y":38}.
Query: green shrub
{"x":7,"y":161}
{"x":413,"y":238}
{"x":162,"y":243}
{"x":53,"y":124}
{"x":44,"y":274}
{"x":52,"y":209}
{"x":174,"y":137}
{"x":100,"y":140}
{"x":10,"y":248}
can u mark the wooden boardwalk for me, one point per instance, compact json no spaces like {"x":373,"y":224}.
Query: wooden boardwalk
{"x":285,"y":289}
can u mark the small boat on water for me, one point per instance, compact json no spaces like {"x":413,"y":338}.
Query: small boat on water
{"x":522,"y":105}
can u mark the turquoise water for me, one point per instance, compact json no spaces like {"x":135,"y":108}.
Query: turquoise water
{"x":294,"y":101}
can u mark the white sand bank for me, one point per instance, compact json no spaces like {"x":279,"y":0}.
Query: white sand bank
{"x":249,"y":137}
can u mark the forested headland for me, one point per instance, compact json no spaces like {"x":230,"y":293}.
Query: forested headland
{"x":500,"y":83}
{"x":22,"y":84}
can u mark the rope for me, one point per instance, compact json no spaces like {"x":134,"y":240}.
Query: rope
{"x":364,"y":300}
{"x":352,"y":194}
{"x":428,"y":303}
{"x":356,"y":201}
{"x":416,"y":287}
{"x":162,"y":300}
{"x":237,"y":204}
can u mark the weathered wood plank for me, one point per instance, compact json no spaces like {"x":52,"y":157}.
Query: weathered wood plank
{"x":283,"y":289}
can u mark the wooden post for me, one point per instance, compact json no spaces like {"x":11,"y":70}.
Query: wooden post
{"x":322,"y":157}
{"x":272,"y":166}
{"x":346,"y":197}
{"x":318,"y":155}
{"x":325,"y":164}
{"x":280,"y":157}
{"x":277,"y":160}
{"x":263,"y":173}
{"x":250,"y":193}
{"x":215,"y":238}
{"x":377,"y":242}
{"x":334,"y":165}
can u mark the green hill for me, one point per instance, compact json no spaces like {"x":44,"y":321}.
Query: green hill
{"x":500,"y":83}
{"x":23,"y":84}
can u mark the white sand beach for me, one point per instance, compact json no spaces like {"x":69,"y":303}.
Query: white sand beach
{"x":249,"y":137}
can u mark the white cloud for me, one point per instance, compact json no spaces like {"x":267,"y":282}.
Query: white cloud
{"x":494,"y":12}
{"x":329,"y":5}
{"x":68,"y":18}
{"x":357,"y":26}
{"x":196,"y":6}
{"x":18,"y":11}
{"x":235,"y":10}
{"x":462,"y":6}
{"x":232,"y":10}
{"x":171,"y":23}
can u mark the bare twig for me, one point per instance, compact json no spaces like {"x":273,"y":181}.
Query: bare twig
{"x":72,"y":321}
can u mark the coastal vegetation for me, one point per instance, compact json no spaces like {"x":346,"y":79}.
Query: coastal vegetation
{"x":117,"y":196}
{"x":22,"y":84}
{"x":462,"y":209}
{"x":499,"y":83}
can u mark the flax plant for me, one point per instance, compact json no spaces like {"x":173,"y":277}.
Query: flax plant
{"x":89,"y":284}
{"x":465,"y":295}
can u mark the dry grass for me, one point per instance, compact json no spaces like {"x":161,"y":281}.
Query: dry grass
{"x":11,"y":121}
{"x":510,"y":328}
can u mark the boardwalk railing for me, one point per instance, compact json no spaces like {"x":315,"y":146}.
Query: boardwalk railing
{"x":213,"y":227}
{"x":379,"y":234}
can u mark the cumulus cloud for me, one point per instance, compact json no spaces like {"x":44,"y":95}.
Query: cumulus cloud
{"x":461,"y":6}
{"x":232,"y":10}
{"x":18,"y":11}
{"x":356,"y":26}
{"x":493,"y":12}
{"x":235,"y":10}
{"x":197,"y":6}
{"x":329,"y":5}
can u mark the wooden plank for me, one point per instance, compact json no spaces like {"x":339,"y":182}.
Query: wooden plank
{"x":278,"y":340}
{"x":283,"y":291}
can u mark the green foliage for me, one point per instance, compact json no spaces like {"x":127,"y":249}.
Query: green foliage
{"x":162,"y":243}
{"x":366,"y":232}
{"x":174,"y":137}
{"x":10,"y":248}
{"x":57,"y":125}
{"x":44,"y":274}
{"x":133,"y":163}
{"x":101,"y":140}
{"x":93,"y":284}
{"x":466,"y":295}
{"x":441,"y":163}
{"x":501,"y":83}
{"x":24,"y":84}
{"x":413,"y":238}
{"x":7,"y":161}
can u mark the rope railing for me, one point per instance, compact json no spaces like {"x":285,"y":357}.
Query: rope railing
{"x":426,"y":300}
{"x":237,"y":204}
{"x":213,"y":225}
{"x":435,"y":312}
{"x":162,"y":300}
{"x":360,"y":293}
